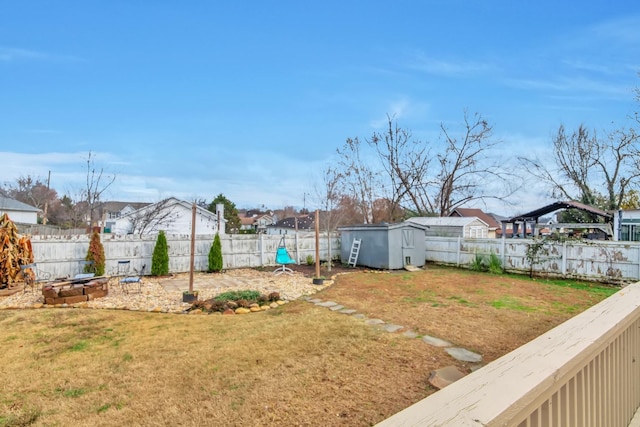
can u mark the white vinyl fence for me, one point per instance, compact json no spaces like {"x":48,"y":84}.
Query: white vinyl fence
{"x":62,"y":255}
{"x":589,"y":260}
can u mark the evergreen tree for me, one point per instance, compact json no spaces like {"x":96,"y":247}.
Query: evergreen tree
{"x":95,"y":254}
{"x":160,"y":259}
{"x":230,"y":213}
{"x":215,"y":255}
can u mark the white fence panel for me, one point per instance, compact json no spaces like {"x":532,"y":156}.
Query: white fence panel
{"x":591,"y":260}
{"x":62,"y":255}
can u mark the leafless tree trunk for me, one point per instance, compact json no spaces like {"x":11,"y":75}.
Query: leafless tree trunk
{"x":97,"y":184}
{"x":329,"y":194}
{"x":360,"y":181}
{"x":459,"y":175}
{"x":464,"y":165}
{"x":406,"y":163}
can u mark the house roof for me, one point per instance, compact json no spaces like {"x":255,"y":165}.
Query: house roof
{"x":114,"y":206}
{"x":535,"y":214}
{"x":305,"y":222}
{"x":172,"y":201}
{"x":470,"y":212}
{"x":10,"y":204}
{"x":445,"y":221}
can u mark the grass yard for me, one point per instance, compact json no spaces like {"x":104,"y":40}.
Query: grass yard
{"x":296,"y":365}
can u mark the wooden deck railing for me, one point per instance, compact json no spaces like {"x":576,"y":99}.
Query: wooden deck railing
{"x":585,"y":372}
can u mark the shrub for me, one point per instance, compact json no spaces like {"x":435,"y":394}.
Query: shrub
{"x":238,"y":295}
{"x":495,"y":264}
{"x":309,"y":260}
{"x":160,"y":259}
{"x":215,"y":255}
{"x":95,"y":254}
{"x":478,"y":264}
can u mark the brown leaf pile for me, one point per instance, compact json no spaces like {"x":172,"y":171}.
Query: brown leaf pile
{"x":15,"y":250}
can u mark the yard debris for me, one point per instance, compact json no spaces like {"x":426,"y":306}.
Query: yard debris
{"x":15,"y":250}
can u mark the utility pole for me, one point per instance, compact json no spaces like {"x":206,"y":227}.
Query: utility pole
{"x":46,"y":201}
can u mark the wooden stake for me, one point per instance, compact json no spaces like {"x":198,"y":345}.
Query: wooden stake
{"x":193,"y":246}
{"x":317,"y":244}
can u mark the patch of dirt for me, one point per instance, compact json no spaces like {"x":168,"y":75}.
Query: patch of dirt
{"x":310,"y":270}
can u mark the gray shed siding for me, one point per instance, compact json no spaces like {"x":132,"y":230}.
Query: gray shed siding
{"x":385,"y":246}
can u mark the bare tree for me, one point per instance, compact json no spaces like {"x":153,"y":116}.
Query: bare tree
{"x":29,"y":190}
{"x":329,"y":195}
{"x":406,"y":163}
{"x":458,"y":176}
{"x":595,"y":171}
{"x":152,"y":218}
{"x":97,"y":184}
{"x":359,"y":179}
{"x":465,"y":167}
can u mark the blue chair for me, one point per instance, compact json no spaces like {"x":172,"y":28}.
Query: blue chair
{"x":88,"y":270}
{"x":283,"y":258}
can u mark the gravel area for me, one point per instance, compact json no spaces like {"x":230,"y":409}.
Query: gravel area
{"x":164,"y":294}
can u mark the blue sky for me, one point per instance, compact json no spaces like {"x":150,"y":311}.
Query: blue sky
{"x":251,"y":99}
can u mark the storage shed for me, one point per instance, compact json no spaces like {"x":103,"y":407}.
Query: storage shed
{"x":385,"y":246}
{"x":449,"y":226}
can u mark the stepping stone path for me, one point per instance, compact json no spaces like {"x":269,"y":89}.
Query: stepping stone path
{"x":439,"y":378}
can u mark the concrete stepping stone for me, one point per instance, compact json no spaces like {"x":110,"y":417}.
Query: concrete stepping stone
{"x":314,"y":300}
{"x":326,"y":304}
{"x":359,"y":316}
{"x":464,"y":355}
{"x":374,"y":322}
{"x":347,"y":311}
{"x":443,"y":377}
{"x":392,"y":328}
{"x":336,"y":307}
{"x":410,"y":334}
{"x":436,"y":342}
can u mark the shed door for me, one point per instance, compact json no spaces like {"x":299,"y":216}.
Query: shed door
{"x":408,"y":239}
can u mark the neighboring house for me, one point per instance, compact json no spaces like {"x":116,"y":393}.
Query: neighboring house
{"x":172,"y":216}
{"x":257,"y":223}
{"x":627,"y":225}
{"x":262,"y":222}
{"x":246,"y":222}
{"x":109,"y":212}
{"x":291,"y":225}
{"x":451,"y":226}
{"x":18,"y":212}
{"x":493,"y":225}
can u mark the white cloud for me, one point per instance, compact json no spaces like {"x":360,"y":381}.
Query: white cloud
{"x":12,"y":54}
{"x":450,"y":68}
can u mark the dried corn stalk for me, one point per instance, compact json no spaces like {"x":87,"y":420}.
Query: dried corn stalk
{"x":15,"y":250}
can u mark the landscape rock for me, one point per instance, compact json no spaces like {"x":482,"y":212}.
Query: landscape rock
{"x":464,"y":355}
{"x":441,"y":378}
{"x":436,"y":342}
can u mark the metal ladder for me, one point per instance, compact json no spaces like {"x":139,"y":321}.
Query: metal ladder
{"x":355,"y":250}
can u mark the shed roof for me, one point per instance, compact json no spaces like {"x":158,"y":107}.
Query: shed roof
{"x":446,"y":221}
{"x":7,"y":203}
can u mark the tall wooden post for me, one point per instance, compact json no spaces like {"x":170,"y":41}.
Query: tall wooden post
{"x":193,"y":246}
{"x":317,"y":244}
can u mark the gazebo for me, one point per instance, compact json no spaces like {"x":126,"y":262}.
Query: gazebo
{"x":531,"y":218}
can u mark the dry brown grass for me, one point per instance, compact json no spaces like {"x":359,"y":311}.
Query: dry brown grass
{"x":297,"y":365}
